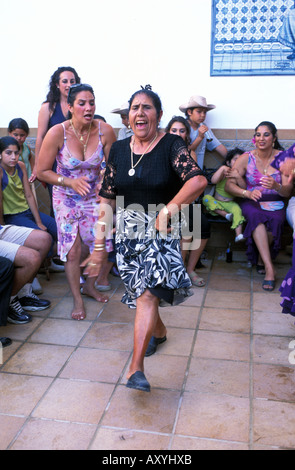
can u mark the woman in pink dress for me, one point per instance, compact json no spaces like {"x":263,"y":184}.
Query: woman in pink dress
{"x":80,"y":146}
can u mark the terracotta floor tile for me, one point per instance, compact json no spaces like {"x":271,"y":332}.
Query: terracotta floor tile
{"x":116,"y":311}
{"x":223,"y":380}
{"x":117,"y":336}
{"x":53,"y":435}
{"x":20,"y":332}
{"x":189,"y":443}
{"x":268,"y":323}
{"x":222,"y":319}
{"x":221,"y":345}
{"x":9,"y":427}
{"x":236,"y":300}
{"x":38,"y":359}
{"x":95,"y":365}
{"x":58,"y":331}
{"x":274,"y":382}
{"x":228,"y":282}
{"x":267,"y":302}
{"x":273,"y":423}
{"x":126,"y":439}
{"x":271,"y":349}
{"x":179,"y":342}
{"x":21,"y":393}
{"x":216,"y":376}
{"x":214,"y":416}
{"x":132,"y":409}
{"x":72,"y":400}
{"x":180,"y":316}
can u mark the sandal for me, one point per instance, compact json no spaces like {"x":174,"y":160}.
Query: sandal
{"x":268,"y":285}
{"x":196,"y":280}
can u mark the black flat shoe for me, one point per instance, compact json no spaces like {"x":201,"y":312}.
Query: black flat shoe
{"x":5,"y":342}
{"x":138,"y":382}
{"x":153,"y":344}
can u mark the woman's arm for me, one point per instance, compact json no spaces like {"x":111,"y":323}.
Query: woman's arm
{"x":30,"y":197}
{"x":108,"y":138}
{"x":98,"y":258}
{"x":236,"y":185}
{"x":43,"y":120}
{"x":189,"y":192}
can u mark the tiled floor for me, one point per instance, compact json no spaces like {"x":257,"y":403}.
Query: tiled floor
{"x":223,"y":380}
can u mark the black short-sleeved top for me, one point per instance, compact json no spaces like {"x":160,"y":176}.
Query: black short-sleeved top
{"x":158,"y":177}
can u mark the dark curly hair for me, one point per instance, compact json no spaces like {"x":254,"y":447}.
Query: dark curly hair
{"x":53,"y":95}
{"x":147,"y":90}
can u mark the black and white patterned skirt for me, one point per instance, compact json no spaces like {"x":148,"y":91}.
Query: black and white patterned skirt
{"x":147,"y":260}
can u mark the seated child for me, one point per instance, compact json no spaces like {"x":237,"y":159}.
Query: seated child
{"x":222,"y":203}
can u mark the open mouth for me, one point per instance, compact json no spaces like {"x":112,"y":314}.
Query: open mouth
{"x":141,"y":124}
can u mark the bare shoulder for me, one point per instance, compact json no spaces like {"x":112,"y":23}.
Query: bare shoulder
{"x":105,"y":127}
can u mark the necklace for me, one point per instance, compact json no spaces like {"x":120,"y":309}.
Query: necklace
{"x":265,"y":168}
{"x":131,"y":172}
{"x":81,"y":140}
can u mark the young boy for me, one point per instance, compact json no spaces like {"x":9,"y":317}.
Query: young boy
{"x":202,"y":138}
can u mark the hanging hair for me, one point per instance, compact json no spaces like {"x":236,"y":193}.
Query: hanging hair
{"x":53,"y":95}
{"x":273,"y":130}
{"x":18,"y":123}
{"x":183,"y":121}
{"x":6,"y":141}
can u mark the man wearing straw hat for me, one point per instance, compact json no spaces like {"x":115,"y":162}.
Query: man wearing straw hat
{"x":126,"y":131}
{"x":202,"y":138}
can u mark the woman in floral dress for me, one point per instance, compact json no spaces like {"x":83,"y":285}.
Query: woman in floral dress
{"x":79,"y":145}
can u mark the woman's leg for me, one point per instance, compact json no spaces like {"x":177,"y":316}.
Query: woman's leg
{"x":147,"y":324}
{"x":262,"y":241}
{"x":72,"y":269}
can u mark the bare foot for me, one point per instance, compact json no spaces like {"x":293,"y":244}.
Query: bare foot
{"x":78,"y":315}
{"x":92,"y":292}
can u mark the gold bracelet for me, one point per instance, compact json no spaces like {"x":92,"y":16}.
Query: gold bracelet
{"x":61,"y":180}
{"x":244,"y":193}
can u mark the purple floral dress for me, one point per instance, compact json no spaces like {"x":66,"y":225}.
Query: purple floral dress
{"x":74,"y":213}
{"x":287,"y":288}
{"x":269,"y":210}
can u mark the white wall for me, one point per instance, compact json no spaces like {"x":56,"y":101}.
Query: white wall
{"x":118,"y":45}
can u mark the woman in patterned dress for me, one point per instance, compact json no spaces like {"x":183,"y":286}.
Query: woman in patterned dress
{"x":149,"y":176}
{"x":79,"y":146}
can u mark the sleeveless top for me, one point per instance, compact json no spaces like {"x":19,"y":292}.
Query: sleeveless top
{"x":253,"y":177}
{"x":14,"y":199}
{"x":71,"y":167}
{"x":57,"y":116}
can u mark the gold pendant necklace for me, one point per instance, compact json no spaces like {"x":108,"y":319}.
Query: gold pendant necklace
{"x":81,"y":140}
{"x":131,"y":172}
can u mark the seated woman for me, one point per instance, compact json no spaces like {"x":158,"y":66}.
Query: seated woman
{"x":223,"y":203}
{"x":263,"y":205}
